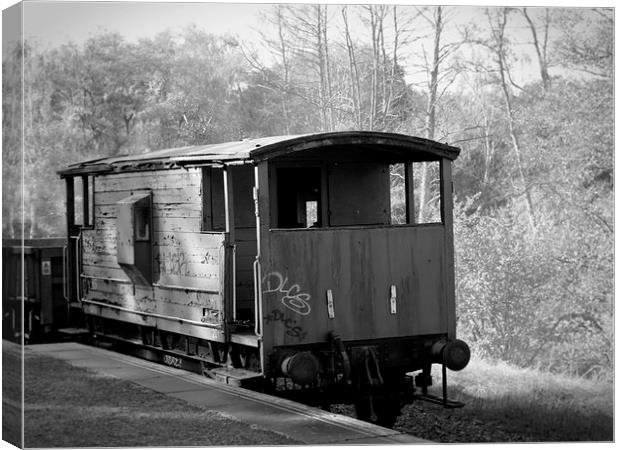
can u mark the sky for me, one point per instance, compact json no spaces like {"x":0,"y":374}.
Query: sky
{"x":53,"y":23}
{"x":57,"y":22}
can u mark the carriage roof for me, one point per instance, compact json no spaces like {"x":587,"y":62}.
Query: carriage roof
{"x":249,"y":151}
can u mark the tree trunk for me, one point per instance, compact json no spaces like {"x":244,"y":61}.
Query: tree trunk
{"x":353,"y":73}
{"x":390,"y":91}
{"x":328,"y":78}
{"x":541,"y":48}
{"x":285,"y":84}
{"x":322,"y":69}
{"x":430,"y":114}
{"x":500,"y":54}
{"x":375,"y":70}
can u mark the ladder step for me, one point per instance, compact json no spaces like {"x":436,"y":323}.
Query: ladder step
{"x":73,"y":331}
{"x":234,"y":377}
{"x":446,"y":403}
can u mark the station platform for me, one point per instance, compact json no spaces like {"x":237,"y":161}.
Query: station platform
{"x":305,"y":424}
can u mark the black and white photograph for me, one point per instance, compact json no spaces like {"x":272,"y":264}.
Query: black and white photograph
{"x":307,"y":224}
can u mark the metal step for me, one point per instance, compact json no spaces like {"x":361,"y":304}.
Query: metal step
{"x":446,"y":403}
{"x":234,"y":377}
{"x":74,"y":332}
{"x":181,"y":360}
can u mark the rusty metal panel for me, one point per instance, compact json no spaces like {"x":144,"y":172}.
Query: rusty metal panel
{"x":243,"y":183}
{"x":359,"y":194}
{"x":359,"y":266}
{"x":447,"y":218}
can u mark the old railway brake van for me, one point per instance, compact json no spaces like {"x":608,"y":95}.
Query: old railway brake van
{"x":309,"y":257}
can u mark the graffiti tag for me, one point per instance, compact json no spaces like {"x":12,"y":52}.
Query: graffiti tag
{"x":293,"y":299}
{"x":210,"y":258}
{"x":173,"y":361}
{"x":291,"y":329}
{"x":173,"y":262}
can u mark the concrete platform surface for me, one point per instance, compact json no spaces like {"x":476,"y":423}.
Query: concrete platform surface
{"x":306,"y":424}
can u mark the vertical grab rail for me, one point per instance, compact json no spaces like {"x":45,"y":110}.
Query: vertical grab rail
{"x":258,"y":294}
{"x":78,"y":277}
{"x":64,"y":272}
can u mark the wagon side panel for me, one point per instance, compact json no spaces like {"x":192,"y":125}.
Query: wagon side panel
{"x":185,"y":262}
{"x":364,"y":283}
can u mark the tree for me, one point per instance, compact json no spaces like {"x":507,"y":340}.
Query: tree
{"x":438,"y":81}
{"x":498,"y":45}
{"x":541,"y":44}
{"x":587,"y":41}
{"x":12,"y":136}
{"x":354,"y":72}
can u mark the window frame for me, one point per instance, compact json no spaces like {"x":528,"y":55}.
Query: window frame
{"x":324,"y":206}
{"x":207,"y":222}
{"x":87,"y":204}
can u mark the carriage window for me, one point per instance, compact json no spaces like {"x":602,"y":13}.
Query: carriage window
{"x":427,"y":192}
{"x":83,"y":200}
{"x":90,"y":214}
{"x":312,"y":217}
{"x":142,"y":223}
{"x":398,"y":194}
{"x":213,"y":202}
{"x":299,"y":197}
{"x":358,"y":194}
{"x":78,"y":195}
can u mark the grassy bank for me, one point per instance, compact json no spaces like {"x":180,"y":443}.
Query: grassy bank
{"x":11,"y":393}
{"x":529,"y":405}
{"x":67,"y":406}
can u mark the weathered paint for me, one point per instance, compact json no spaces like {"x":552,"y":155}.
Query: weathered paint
{"x":187,"y":264}
{"x":447,"y":216}
{"x":359,"y":194}
{"x":188,"y":259}
{"x":359,"y":266}
{"x":262,"y":149}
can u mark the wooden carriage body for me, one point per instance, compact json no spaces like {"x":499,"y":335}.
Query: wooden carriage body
{"x":267,"y":243}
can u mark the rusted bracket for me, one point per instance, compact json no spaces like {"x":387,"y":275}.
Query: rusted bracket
{"x":444,"y":401}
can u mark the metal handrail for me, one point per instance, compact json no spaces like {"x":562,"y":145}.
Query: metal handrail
{"x":258,"y":295}
{"x":78,"y":280}
{"x":64,"y":272}
{"x":149,"y":314}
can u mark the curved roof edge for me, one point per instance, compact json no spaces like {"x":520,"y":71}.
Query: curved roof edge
{"x":255,"y":150}
{"x":308,"y":142}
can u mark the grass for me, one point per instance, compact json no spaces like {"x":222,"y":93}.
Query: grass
{"x":533,"y":405}
{"x":11,"y":394}
{"x":66,"y":406}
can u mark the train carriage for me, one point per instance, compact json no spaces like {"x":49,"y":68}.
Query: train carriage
{"x":288,"y":260}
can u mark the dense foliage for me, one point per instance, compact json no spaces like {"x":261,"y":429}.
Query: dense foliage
{"x":534,"y":182}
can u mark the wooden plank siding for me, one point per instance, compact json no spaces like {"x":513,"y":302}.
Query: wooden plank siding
{"x":186,"y":264}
